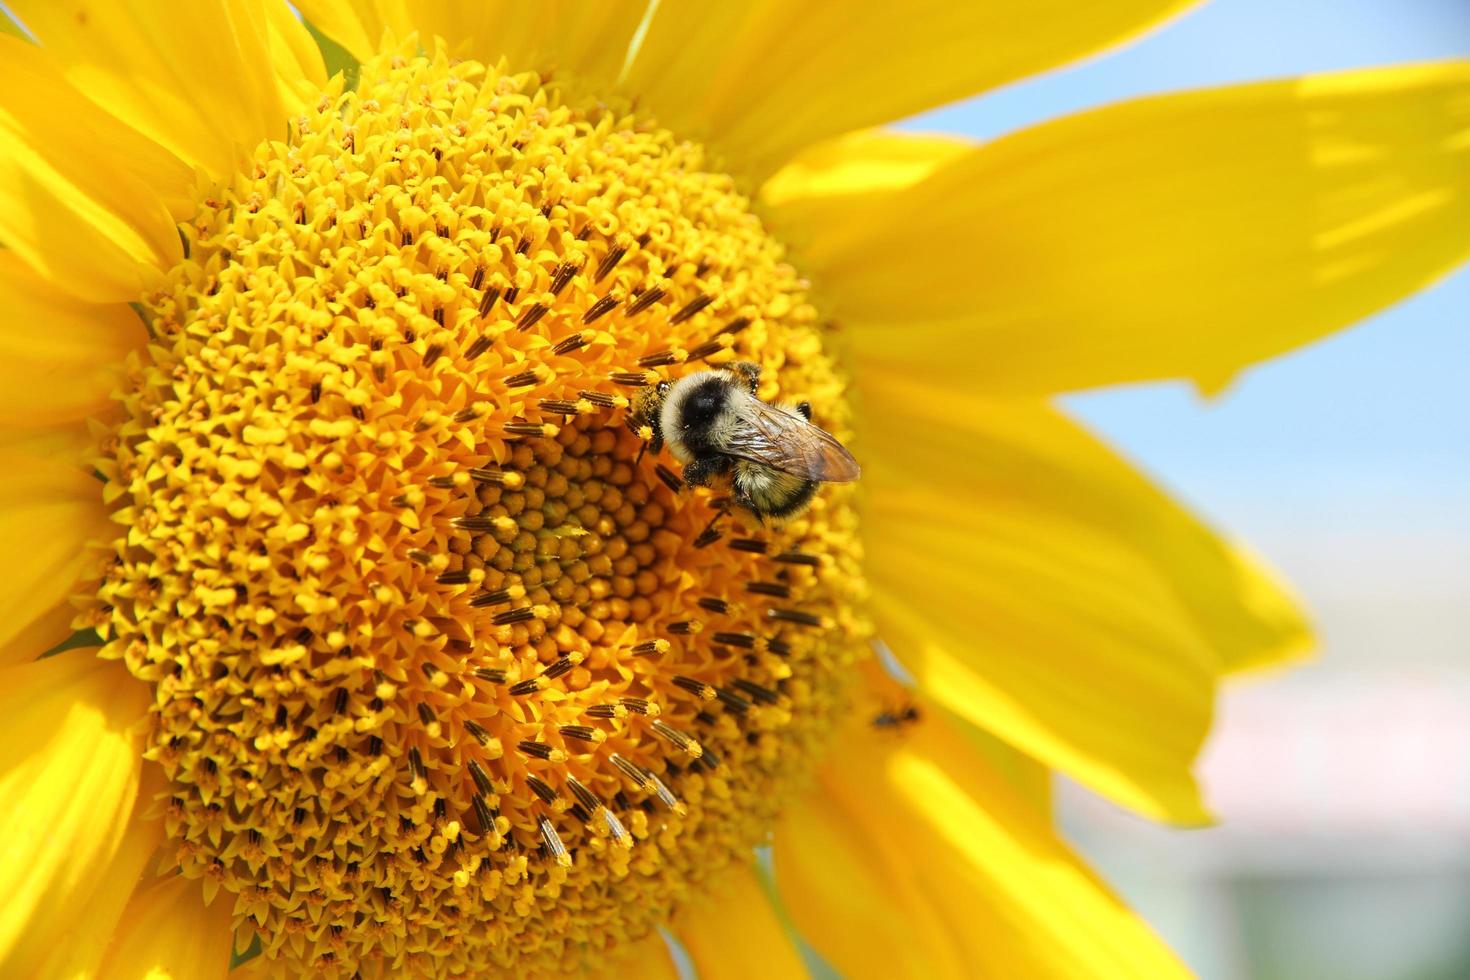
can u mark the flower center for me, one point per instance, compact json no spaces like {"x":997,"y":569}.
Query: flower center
{"x":447,"y":669}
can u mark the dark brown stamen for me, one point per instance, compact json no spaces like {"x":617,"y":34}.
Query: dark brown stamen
{"x":554,"y":845}
{"x":522,"y":615}
{"x":568,"y":344}
{"x":662,"y":358}
{"x":583,"y":795}
{"x":557,"y":669}
{"x":495,"y":598}
{"x":679,"y":739}
{"x":777,"y":589}
{"x":630,"y":379}
{"x":609,"y":262}
{"x":537,"y":750}
{"x":691,"y":308}
{"x":645,"y":300}
{"x":600,"y":399}
{"x":704,"y":350}
{"x":481,"y":778}
{"x":563,"y":275}
{"x":487,"y":300}
{"x":582,"y":733}
{"x":533,"y":313}
{"x":483,"y":815}
{"x":600,"y":309}
{"x":416,"y":764}
{"x":488,"y":476}
{"x":632,"y":771}
{"x":699,"y":689}
{"x":732,"y":701}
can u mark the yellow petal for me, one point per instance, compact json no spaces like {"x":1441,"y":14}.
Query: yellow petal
{"x":70,"y":443}
{"x":918,"y":858}
{"x":82,"y":196}
{"x":1183,"y":235}
{"x":168,"y":933}
{"x":295,"y":57}
{"x":588,"y":42}
{"x":57,"y":353}
{"x":9,"y":26}
{"x":1038,"y":586}
{"x":49,"y":510}
{"x":69,"y":772}
{"x":735,"y":932}
{"x":827,"y":185}
{"x":761,"y":80}
{"x":647,"y":959}
{"x":358,"y":25}
{"x":199,"y":78}
{"x":89,"y":929}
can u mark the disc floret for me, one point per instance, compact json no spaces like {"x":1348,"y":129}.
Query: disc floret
{"x":449,"y":673}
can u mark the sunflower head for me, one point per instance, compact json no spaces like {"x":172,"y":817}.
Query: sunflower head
{"x":446,"y":667}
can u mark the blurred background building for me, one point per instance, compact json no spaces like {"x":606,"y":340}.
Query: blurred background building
{"x":1342,"y":787}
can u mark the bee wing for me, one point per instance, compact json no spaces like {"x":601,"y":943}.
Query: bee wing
{"x":786,"y":441}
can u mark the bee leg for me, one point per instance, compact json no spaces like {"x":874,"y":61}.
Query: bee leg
{"x":701,"y":471}
{"x":804,"y":409}
{"x":748,"y":372}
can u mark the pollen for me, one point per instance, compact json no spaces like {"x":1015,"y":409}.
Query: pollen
{"x":451,"y":675}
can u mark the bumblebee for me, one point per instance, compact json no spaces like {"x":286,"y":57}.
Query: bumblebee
{"x":772,"y":456}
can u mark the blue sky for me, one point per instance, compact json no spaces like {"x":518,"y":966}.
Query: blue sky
{"x":1367,"y":432}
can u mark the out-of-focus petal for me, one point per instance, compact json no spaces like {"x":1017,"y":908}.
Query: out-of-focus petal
{"x":735,"y":933}
{"x":168,"y":932}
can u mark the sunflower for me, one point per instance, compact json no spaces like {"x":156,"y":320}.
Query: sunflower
{"x":398,"y":652}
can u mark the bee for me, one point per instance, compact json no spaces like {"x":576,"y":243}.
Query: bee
{"x":897,"y":718}
{"x":772,"y":455}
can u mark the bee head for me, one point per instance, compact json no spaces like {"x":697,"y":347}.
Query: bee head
{"x":703,"y":404}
